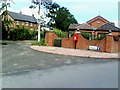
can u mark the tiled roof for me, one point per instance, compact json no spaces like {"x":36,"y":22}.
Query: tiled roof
{"x":79,"y":26}
{"x":108,"y":26}
{"x":96,"y":18}
{"x":22,"y":17}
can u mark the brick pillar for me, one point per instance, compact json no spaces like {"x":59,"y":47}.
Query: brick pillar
{"x":46,"y":38}
{"x":96,"y":34}
{"x":119,"y":48}
{"x":109,"y":43}
{"x":49,"y":38}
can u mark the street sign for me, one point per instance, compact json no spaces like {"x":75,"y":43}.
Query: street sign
{"x":94,"y":48}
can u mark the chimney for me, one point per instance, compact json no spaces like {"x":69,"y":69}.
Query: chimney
{"x":20,"y":12}
{"x":33,"y":15}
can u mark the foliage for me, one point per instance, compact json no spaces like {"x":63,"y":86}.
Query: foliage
{"x":86,"y":35}
{"x":101,"y":36}
{"x":60,"y":33}
{"x":42,"y":42}
{"x":60,"y":17}
{"x":71,"y":33}
{"x":20,"y":34}
{"x":5,"y":4}
{"x":42,"y":5}
{"x":42,"y":39}
{"x":6,"y":23}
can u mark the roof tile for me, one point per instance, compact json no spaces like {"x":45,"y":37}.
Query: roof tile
{"x":22,"y":17}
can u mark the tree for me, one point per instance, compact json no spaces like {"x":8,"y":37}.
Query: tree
{"x":41,"y":4}
{"x":60,"y":17}
{"x":6,"y":22}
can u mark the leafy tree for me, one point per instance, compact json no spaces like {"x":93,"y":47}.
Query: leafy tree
{"x":60,"y":17}
{"x":6,"y":22}
{"x":21,"y":34}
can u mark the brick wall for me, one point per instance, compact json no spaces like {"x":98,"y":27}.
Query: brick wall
{"x":68,"y":42}
{"x":83,"y":43}
{"x":106,"y":45}
{"x":49,"y":38}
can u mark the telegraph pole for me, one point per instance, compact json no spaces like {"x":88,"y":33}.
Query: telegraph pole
{"x":38,"y":2}
{"x":39,"y":22}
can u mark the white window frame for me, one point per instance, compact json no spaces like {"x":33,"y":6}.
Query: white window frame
{"x":26,"y":23}
{"x":22,"y":23}
{"x":17,"y":22}
{"x":31,"y":24}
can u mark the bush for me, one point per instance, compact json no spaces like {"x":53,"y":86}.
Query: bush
{"x":21,"y":34}
{"x":101,"y":36}
{"x":42,"y":42}
{"x":42,"y":34}
{"x":86,"y":35}
{"x":60,"y":33}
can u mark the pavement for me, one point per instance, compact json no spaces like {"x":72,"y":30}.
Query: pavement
{"x":75,"y":52}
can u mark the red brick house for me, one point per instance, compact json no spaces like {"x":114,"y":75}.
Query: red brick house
{"x":96,"y":26}
{"x":21,"y":20}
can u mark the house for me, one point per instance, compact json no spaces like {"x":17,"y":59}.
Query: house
{"x":96,"y":27}
{"x":21,"y":20}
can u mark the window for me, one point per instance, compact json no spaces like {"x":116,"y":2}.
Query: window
{"x":31,"y":29}
{"x":17,"y":22}
{"x":26,"y":23}
{"x":31,"y":24}
{"x":22,"y":23}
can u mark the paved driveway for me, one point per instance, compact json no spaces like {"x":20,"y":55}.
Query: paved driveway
{"x":24,"y":67}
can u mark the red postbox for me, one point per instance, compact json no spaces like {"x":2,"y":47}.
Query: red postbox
{"x":75,"y":36}
{"x":75,"y":39}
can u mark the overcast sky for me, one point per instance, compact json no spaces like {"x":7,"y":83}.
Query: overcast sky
{"x":83,"y":10}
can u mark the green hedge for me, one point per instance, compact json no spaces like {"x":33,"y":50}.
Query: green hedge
{"x":60,"y":33}
{"x":22,"y":34}
{"x":86,"y":35}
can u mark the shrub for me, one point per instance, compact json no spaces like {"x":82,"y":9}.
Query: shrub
{"x":60,"y":33}
{"x":21,"y":34}
{"x":86,"y":35}
{"x":101,"y":36}
{"x":42,"y":42}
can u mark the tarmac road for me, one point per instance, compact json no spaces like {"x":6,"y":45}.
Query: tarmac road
{"x":23,"y":67}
